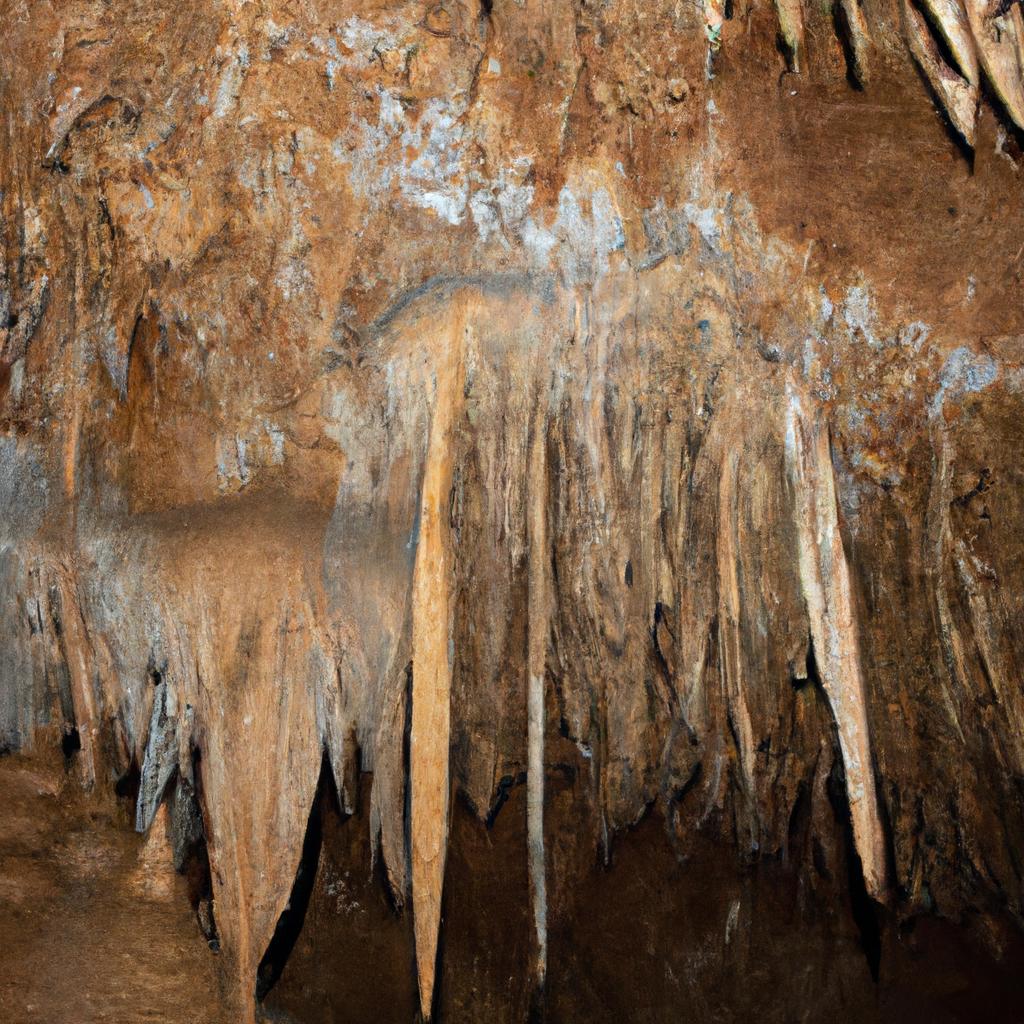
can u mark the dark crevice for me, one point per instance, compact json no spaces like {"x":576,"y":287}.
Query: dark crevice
{"x":1014,"y":144}
{"x":406,"y":774}
{"x":783,"y":48}
{"x":681,"y":792}
{"x":865,"y":915}
{"x":983,"y":485}
{"x":862,"y":907}
{"x":537,"y":1011}
{"x":127,"y":785}
{"x":70,"y":743}
{"x":660,"y":622}
{"x":811,"y":674}
{"x":191,"y":857}
{"x":799,"y":819}
{"x":501,"y":797}
{"x":289,"y":925}
{"x":134,"y":341}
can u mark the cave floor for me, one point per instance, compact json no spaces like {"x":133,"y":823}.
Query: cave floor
{"x":94,"y":923}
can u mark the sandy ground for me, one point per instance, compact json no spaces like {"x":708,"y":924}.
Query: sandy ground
{"x":94,"y":923}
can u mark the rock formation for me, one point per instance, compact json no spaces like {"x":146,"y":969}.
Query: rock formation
{"x":407,"y":405}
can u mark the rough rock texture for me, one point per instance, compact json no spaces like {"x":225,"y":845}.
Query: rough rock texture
{"x":412,"y":401}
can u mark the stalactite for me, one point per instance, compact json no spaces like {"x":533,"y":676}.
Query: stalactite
{"x":826,"y":587}
{"x":730,"y":628}
{"x":860,"y":41}
{"x":1000,"y":39}
{"x":959,"y":95}
{"x":432,"y":654}
{"x":791,"y":30}
{"x":538,"y":626}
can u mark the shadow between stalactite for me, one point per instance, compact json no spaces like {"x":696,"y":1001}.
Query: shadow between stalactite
{"x":863,"y":908}
{"x":289,"y":925}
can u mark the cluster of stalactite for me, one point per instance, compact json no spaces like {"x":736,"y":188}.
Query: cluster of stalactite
{"x":547,"y":542}
{"x":952,"y":43}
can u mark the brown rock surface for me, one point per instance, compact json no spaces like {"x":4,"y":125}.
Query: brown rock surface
{"x":573,"y":443}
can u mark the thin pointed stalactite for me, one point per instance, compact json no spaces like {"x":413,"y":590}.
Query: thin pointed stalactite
{"x":958,"y":95}
{"x":791,"y":31}
{"x":432,"y":659}
{"x":860,"y":42}
{"x":161,"y":758}
{"x":940,"y":497}
{"x":1000,"y":42}
{"x":538,"y":613}
{"x":825,"y":581}
{"x":730,"y":630}
{"x":950,"y":19}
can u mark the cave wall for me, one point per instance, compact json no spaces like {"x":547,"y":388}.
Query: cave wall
{"x":467,"y":390}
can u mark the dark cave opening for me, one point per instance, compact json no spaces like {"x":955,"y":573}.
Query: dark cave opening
{"x":289,"y":925}
{"x":71,"y":743}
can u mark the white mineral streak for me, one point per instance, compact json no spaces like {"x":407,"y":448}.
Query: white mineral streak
{"x":825,"y":581}
{"x":939,"y":498}
{"x":432,"y":660}
{"x":537,"y":649}
{"x":230,"y":85}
